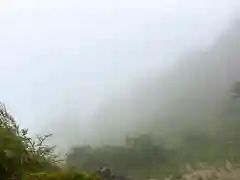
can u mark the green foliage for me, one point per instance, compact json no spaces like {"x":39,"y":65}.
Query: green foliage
{"x":69,"y":175}
{"x":23,"y":158}
{"x":141,"y":155}
{"x":19,"y":154}
{"x":213,"y":142}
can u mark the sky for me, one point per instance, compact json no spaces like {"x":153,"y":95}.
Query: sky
{"x":59,"y":56}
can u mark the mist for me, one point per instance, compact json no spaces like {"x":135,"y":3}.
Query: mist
{"x":195,"y":91}
{"x":92,"y":73}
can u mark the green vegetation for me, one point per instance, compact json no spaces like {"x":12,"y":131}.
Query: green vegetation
{"x":140,"y":154}
{"x":69,"y":175}
{"x":141,"y":157}
{"x":22,"y":158}
{"x":145,"y":156}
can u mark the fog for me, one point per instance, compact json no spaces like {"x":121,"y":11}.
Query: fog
{"x":195,"y":91}
{"x":85,"y":70}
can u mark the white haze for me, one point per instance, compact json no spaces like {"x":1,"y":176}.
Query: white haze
{"x":62,"y":61}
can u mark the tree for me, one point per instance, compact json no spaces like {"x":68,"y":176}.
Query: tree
{"x":19,"y":154}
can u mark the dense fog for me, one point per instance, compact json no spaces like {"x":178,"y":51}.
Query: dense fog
{"x":196,"y":89}
{"x":97,"y":72}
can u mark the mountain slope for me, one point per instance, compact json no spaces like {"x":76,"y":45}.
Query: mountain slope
{"x":196,"y":91}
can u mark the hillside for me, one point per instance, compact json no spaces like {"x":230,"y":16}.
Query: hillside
{"x":197,"y":91}
{"x":188,"y":116}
